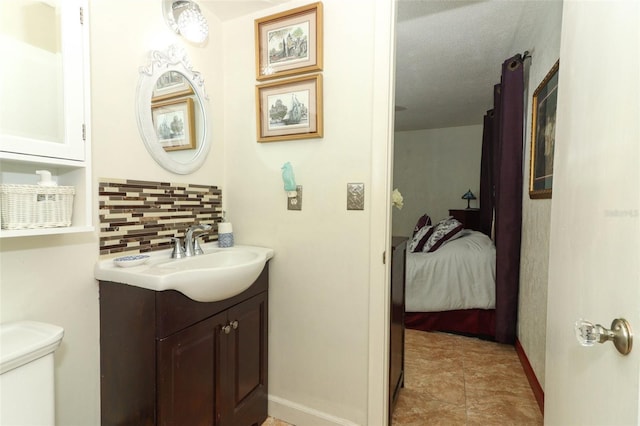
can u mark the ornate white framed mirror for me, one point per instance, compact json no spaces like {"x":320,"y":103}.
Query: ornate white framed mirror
{"x":172,"y":111}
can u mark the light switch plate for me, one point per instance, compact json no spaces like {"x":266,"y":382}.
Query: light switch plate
{"x":355,"y":196}
{"x":295,"y":203}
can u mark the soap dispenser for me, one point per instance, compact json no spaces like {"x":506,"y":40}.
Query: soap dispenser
{"x":45,"y":178}
{"x":225,"y":234}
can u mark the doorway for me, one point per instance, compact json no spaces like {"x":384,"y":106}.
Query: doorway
{"x":444,"y":85}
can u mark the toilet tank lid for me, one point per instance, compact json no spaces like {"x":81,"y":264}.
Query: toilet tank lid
{"x":24,"y":341}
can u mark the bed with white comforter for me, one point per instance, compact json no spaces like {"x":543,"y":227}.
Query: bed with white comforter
{"x":458,"y":275}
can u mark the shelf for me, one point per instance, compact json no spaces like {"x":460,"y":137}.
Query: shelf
{"x":16,"y":158}
{"x":10,"y":233}
{"x":20,"y":169}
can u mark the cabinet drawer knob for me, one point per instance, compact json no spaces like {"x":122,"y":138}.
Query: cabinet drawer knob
{"x":234,"y":324}
{"x":226,"y":329}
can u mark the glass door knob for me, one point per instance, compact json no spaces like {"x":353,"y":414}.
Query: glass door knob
{"x":588,"y":334}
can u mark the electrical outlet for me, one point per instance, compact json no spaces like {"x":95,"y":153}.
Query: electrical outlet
{"x":295,"y":203}
{"x":355,"y":196}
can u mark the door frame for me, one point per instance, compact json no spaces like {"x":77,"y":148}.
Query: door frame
{"x":380,"y":231}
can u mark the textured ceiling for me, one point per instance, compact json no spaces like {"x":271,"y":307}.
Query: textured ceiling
{"x":449,"y":56}
{"x":448,"y":53}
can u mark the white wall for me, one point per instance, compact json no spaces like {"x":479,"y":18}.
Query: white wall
{"x":120,"y":44}
{"x":319,"y":294}
{"x":432,"y":169}
{"x":50,"y":278}
{"x":543,"y":41}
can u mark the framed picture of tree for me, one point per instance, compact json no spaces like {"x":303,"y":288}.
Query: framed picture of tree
{"x":289,"y":42}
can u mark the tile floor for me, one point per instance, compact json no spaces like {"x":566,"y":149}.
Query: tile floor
{"x":454,"y":380}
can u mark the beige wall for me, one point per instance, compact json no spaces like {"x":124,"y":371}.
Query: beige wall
{"x":432,"y":169}
{"x":320,"y":277}
{"x":319,"y":295}
{"x":543,"y":42}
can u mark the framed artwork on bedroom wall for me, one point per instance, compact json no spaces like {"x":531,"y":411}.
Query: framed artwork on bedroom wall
{"x":289,"y":42}
{"x":543,"y":135}
{"x":289,"y":109}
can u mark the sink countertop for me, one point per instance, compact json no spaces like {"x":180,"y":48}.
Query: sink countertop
{"x":217,"y":265}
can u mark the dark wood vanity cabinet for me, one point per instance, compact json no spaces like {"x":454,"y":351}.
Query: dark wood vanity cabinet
{"x":396,"y":331}
{"x":168,"y":360}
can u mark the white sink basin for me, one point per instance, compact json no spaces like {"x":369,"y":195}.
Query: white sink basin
{"x":218,"y":274}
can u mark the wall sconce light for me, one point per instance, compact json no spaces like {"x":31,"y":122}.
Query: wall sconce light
{"x":184,"y":17}
{"x":468,"y":196}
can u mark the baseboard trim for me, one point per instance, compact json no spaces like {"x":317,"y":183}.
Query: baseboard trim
{"x":538,"y":392}
{"x":298,"y":414}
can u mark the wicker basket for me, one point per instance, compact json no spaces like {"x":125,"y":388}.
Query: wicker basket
{"x":34,"y":206}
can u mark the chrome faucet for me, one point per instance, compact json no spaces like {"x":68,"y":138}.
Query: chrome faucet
{"x":191,"y":246}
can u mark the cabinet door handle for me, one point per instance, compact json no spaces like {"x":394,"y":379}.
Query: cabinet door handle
{"x":234,"y":324}
{"x":226,"y":329}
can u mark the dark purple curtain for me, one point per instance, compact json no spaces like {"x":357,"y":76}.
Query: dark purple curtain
{"x":486,"y":176}
{"x":502,"y":163}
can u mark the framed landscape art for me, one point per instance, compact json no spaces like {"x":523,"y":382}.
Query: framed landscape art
{"x":174,"y":124}
{"x":290,"y":109}
{"x":289,"y":42}
{"x":169,"y":85}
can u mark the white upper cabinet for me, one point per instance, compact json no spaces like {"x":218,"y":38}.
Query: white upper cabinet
{"x":45,"y":103}
{"x":44,"y":96}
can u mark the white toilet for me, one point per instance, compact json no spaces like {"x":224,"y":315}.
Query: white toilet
{"x":26,"y":373}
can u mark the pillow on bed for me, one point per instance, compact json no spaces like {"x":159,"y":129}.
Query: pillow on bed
{"x":422,"y":222}
{"x":420,"y":238}
{"x":446,"y":230}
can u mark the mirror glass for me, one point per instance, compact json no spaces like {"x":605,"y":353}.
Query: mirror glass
{"x":31,"y":82}
{"x":172,"y":112}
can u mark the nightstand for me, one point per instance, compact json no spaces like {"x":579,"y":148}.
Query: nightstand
{"x":470,"y":218}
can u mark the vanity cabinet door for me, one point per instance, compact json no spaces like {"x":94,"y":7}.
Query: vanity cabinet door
{"x":215,"y":372}
{"x":168,"y":360}
{"x":246,"y":364}
{"x":187,"y":373}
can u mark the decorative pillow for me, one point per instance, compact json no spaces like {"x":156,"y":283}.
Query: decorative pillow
{"x":422,"y":222}
{"x":445,"y":230}
{"x":420,"y":239}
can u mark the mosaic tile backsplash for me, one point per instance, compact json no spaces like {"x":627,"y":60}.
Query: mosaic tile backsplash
{"x":142,"y":216}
